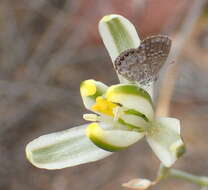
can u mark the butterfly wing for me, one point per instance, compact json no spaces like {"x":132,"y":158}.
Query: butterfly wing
{"x":143,"y":64}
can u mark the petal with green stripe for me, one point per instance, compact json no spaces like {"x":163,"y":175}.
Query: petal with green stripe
{"x":63,"y":149}
{"x":118,"y":34}
{"x":133,"y":122}
{"x":132,"y":97}
{"x":164,"y":139}
{"x":112,"y":139}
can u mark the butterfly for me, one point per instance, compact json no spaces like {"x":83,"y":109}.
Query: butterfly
{"x":143,"y":64}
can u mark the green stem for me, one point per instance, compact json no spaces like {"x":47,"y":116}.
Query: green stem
{"x":199,"y":180}
{"x":165,"y":172}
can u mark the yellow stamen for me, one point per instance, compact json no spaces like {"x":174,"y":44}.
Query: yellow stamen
{"x":88,"y":88}
{"x":94,"y":128}
{"x":104,"y":106}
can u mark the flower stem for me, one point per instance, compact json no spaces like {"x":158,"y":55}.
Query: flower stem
{"x":199,"y":180}
{"x":165,"y":172}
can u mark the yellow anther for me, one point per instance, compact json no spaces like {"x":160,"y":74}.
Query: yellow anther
{"x":104,"y":106}
{"x":88,"y":88}
{"x":93,"y":129}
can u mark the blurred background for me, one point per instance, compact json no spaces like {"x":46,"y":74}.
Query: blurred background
{"x":47,"y":47}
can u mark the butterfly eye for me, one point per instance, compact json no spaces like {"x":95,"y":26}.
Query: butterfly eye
{"x":144,"y":63}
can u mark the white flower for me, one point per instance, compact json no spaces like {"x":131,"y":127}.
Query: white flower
{"x":123,"y":114}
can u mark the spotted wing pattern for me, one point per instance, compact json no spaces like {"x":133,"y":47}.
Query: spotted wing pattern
{"x":143,"y":63}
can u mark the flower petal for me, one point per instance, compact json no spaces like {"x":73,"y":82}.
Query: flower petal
{"x":165,"y":140}
{"x":131,"y":97}
{"x":90,"y":90}
{"x":118,"y":34}
{"x":112,"y":139}
{"x":172,"y":123}
{"x":63,"y":149}
{"x":133,"y":122}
